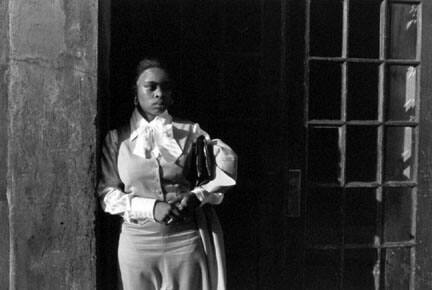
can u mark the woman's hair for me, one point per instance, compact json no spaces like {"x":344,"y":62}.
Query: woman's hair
{"x":150,"y":62}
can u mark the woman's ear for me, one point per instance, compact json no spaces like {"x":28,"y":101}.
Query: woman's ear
{"x":135,"y":101}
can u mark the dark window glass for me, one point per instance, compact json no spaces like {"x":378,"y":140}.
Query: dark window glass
{"x":362,"y":103}
{"x":325,"y":90}
{"x":324,"y":155}
{"x":361,"y":153}
{"x":361,"y":210}
{"x":364,"y":23}
{"x":398,"y":203}
{"x":325,"y":35}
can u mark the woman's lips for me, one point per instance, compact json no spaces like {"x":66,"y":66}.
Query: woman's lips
{"x":159,"y":105}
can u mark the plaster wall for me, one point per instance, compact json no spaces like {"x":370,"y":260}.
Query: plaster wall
{"x":51,"y":141}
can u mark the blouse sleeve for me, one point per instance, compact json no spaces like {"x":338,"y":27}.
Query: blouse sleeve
{"x":225,"y":171}
{"x":110,"y":187}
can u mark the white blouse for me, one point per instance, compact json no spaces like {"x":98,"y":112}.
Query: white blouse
{"x":152,"y":164}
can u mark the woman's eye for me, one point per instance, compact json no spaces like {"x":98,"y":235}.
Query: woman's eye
{"x":150,"y":87}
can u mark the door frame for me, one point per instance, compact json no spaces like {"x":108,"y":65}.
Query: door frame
{"x":423,"y":277}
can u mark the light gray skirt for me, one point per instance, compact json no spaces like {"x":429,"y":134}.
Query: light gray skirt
{"x":154,"y":256}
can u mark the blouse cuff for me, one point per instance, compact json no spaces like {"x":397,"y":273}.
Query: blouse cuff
{"x":207,"y":197}
{"x":142,"y":208}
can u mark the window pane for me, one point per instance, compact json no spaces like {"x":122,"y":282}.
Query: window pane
{"x":403,"y":31}
{"x":396,"y":264}
{"x":362,"y":101}
{"x":361,"y":153}
{"x":325,"y":90}
{"x":324,"y":155}
{"x":361,"y":208}
{"x":360,"y":269}
{"x":324,"y":216}
{"x":322,"y":269}
{"x":398,"y":203}
{"x":398,"y":153}
{"x":401,"y":93}
{"x":325,"y":35}
{"x":364,"y":27}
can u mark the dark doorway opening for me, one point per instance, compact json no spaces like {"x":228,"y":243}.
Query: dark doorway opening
{"x":230,"y":60}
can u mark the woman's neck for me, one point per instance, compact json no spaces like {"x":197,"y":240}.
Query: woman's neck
{"x":145,"y":115}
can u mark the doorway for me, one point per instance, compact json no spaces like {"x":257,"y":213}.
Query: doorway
{"x":333,"y":188}
{"x":230,"y":63}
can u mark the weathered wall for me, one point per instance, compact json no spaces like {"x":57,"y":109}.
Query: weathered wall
{"x":4,"y":220}
{"x":51,"y":143}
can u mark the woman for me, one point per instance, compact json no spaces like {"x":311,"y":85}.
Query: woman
{"x":170,"y":237}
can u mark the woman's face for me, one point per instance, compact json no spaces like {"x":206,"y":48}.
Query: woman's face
{"x":154,"y":92}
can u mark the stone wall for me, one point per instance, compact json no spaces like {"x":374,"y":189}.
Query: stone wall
{"x":51,"y":141}
{"x":4,"y":212}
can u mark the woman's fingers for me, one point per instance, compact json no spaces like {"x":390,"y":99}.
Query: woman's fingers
{"x":175,"y":212}
{"x":162,"y":211}
{"x":172,"y":215}
{"x":175,"y":200}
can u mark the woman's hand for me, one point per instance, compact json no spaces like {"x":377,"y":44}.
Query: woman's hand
{"x":165,"y":212}
{"x":188,"y":203}
{"x":176,"y":209}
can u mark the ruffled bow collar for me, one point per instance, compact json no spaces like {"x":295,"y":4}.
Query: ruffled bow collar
{"x":154,"y":139}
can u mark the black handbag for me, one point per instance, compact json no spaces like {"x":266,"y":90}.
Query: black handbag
{"x":202,"y":162}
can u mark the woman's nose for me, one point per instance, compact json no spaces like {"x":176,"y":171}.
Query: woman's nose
{"x":158,"y":92}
